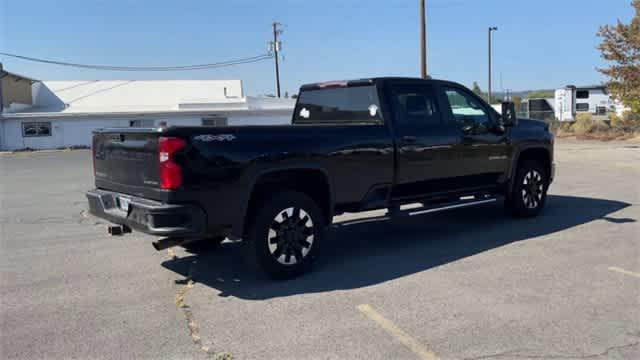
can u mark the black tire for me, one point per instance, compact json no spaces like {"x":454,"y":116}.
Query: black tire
{"x":285,"y":234}
{"x":204,"y":245}
{"x":529,"y":192}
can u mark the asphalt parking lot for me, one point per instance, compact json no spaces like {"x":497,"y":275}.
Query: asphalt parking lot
{"x":466,"y":284}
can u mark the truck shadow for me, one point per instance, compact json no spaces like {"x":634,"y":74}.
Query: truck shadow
{"x":370,"y":253}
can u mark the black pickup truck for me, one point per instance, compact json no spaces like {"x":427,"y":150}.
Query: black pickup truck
{"x":353,"y":146}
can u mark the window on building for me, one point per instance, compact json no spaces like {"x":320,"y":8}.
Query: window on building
{"x":214,"y":121}
{"x":601,"y":110}
{"x":582,"y":107}
{"x":582,"y":94}
{"x":142,"y":123}
{"x":36,"y":128}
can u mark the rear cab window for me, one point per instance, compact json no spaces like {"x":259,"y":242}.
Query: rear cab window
{"x":338,"y":105}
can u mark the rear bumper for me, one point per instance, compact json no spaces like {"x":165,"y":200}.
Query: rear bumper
{"x":148,"y":216}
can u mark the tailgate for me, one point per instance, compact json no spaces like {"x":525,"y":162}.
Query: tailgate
{"x":127,"y":158}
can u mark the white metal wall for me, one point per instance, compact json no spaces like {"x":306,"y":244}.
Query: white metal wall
{"x":77,"y":131}
{"x":566,"y":100}
{"x":597,"y":98}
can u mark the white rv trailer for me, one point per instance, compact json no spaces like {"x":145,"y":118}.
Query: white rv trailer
{"x":571,"y":100}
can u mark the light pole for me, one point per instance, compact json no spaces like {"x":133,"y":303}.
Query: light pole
{"x":423,"y":41}
{"x":491,"y":28}
{"x":276,"y":49}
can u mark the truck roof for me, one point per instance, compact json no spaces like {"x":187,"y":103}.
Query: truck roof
{"x":367,"y":81}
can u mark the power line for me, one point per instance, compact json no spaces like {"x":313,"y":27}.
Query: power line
{"x":144,"y":68}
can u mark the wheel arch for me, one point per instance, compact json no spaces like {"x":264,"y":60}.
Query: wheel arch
{"x":312,"y":180}
{"x":532,"y":152}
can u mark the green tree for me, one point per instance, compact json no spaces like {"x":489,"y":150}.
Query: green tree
{"x":517,"y":101}
{"x":620,"y":46}
{"x":476,"y":89}
{"x":540,"y":94}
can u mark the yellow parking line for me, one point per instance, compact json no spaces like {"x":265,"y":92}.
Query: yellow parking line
{"x":623,"y":271}
{"x":397,"y":333}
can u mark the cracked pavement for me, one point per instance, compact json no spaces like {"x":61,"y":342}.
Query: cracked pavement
{"x":467,"y":284}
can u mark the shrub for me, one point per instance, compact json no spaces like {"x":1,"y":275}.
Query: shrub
{"x":601,"y":125}
{"x":566,"y":126}
{"x":628,"y":122}
{"x":584,"y":124}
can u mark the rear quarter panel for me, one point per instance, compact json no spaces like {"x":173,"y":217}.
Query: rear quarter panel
{"x":222,"y":164}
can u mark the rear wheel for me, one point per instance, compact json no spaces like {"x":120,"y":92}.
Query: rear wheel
{"x":529,"y":190}
{"x":285,"y":234}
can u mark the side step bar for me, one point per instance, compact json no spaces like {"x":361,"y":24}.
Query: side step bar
{"x":448,"y":207}
{"x":397,"y":212}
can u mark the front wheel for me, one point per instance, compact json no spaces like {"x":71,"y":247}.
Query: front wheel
{"x":529,"y":190}
{"x":285,"y":234}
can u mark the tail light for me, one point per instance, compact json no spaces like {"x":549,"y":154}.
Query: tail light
{"x":170,"y":172}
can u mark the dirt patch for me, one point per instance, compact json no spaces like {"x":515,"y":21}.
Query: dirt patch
{"x":600,"y":135}
{"x":187,"y":284}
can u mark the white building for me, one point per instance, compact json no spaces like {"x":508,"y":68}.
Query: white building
{"x":63,"y":113}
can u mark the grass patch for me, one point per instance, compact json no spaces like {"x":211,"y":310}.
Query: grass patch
{"x":587,"y":127}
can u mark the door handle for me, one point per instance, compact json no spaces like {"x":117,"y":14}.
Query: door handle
{"x":409,"y":138}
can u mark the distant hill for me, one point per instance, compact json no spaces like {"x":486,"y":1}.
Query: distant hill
{"x":523,"y":93}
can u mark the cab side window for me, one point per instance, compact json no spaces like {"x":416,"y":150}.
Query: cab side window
{"x":415,"y":106}
{"x":466,"y":110}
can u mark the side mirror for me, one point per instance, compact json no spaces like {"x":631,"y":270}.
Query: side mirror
{"x":467,"y":129}
{"x":509,"y":117}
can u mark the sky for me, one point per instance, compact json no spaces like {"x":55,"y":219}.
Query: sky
{"x":539,"y":45}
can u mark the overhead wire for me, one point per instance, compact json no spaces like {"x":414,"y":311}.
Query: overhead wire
{"x":240,"y":61}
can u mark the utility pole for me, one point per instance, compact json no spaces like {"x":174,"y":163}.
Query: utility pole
{"x":491,"y":28}
{"x":423,"y":41}
{"x":275,"y":46}
{"x":1,"y":98}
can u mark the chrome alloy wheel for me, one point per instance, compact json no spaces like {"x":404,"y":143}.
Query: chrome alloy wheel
{"x":532,"y":189}
{"x":290,"y":236}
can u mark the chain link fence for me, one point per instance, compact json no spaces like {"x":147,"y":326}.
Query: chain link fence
{"x":550,"y":116}
{"x":546,"y":116}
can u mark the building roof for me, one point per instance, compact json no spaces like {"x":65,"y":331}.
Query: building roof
{"x":109,"y":97}
{"x":131,"y":95}
{"x":17,"y":77}
{"x":587,"y":87}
